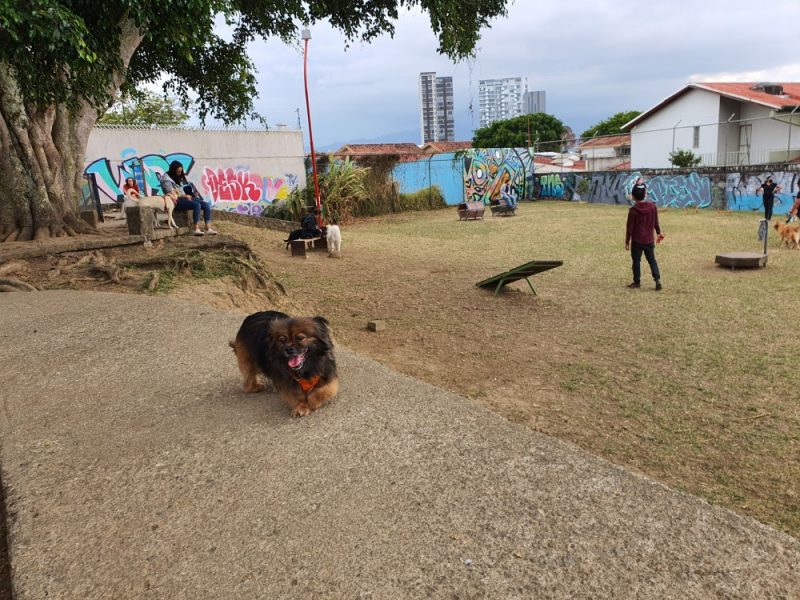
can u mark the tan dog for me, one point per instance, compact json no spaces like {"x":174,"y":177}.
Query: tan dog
{"x":789,"y":234}
{"x":165,"y":204}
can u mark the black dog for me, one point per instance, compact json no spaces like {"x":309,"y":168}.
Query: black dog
{"x":296,"y":353}
{"x":294,"y":235}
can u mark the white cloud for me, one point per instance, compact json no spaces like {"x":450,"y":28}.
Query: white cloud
{"x":784,"y":73}
{"x":593,"y":59}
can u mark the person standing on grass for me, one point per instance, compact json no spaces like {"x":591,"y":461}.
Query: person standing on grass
{"x":770,"y":188}
{"x":640,"y":234}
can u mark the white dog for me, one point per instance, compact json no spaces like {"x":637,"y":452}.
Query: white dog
{"x":334,"y":240}
{"x":165,"y":204}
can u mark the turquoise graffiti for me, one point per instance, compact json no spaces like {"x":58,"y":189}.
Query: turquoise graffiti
{"x":487,"y":169}
{"x":146,"y":170}
{"x":551,"y":186}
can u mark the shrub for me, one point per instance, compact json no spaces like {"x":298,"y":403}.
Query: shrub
{"x":424,"y":199}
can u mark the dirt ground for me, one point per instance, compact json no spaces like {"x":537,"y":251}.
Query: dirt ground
{"x":691,"y":385}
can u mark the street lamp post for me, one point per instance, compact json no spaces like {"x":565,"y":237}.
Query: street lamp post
{"x":673,"y":138}
{"x":306,"y":35}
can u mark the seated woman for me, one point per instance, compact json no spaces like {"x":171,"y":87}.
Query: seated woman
{"x":188,"y":197}
{"x":507,"y":192}
{"x":308,"y":226}
{"x":131,"y":189}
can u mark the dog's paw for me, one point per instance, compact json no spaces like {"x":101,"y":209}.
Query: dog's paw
{"x":253,"y":388}
{"x":301,"y":410}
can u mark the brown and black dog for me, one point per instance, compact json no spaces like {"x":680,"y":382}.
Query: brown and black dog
{"x":296,"y":353}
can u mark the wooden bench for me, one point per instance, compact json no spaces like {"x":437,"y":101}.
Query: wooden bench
{"x":299,"y":247}
{"x":470,"y":211}
{"x":503,"y":210}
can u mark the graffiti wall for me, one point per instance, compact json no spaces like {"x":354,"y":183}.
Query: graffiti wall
{"x":740,"y":190}
{"x":241,"y":171}
{"x":677,"y":190}
{"x":487,"y":169}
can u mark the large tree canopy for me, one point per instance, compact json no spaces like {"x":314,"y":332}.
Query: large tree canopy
{"x":612,"y":125}
{"x":545,"y":133}
{"x":62,"y":64}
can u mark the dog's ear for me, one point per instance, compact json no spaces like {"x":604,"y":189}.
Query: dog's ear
{"x":323,"y":333}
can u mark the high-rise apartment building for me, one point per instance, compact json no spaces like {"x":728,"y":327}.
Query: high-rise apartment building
{"x":500,"y":99}
{"x":436,"y":108}
{"x":533,"y":102}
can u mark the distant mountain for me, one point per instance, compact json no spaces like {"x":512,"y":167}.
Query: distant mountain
{"x":386,"y":138}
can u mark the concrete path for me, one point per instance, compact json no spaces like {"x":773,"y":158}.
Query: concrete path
{"x":135,"y":468}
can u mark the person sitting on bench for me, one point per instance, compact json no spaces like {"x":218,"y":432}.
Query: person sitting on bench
{"x":308,"y":226}
{"x":507,"y":195}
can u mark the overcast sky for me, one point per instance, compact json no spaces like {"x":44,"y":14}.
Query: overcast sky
{"x":592,"y":57}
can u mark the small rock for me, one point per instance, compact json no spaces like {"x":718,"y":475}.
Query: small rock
{"x":376,"y":325}
{"x":468,"y":562}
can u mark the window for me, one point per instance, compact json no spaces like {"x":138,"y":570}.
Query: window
{"x":696,"y":137}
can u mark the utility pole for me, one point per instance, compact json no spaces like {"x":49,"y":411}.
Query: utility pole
{"x":299,"y":125}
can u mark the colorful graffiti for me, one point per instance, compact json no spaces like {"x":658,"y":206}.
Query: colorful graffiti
{"x":486,"y":169}
{"x":232,"y":189}
{"x":146,"y":170}
{"x":678,"y":190}
{"x":740,"y":190}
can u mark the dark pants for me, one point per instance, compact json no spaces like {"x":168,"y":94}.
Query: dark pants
{"x":195,"y":205}
{"x":636,"y":259}
{"x":768,"y":204}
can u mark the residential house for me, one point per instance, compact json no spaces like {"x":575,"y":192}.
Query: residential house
{"x":606,"y":153}
{"x":722,"y":123}
{"x":443,"y":147}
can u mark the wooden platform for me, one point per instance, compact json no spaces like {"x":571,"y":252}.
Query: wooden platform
{"x":741,"y":260}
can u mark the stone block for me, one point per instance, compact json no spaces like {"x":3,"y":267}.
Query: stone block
{"x":298,"y":247}
{"x":90,"y":217}
{"x":183,"y":218}
{"x":140,"y":220}
{"x":376,"y":325}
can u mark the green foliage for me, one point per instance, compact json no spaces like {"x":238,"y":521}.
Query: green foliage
{"x":61,"y":51}
{"x":343,"y":192}
{"x":424,"y":199}
{"x":513,"y":133}
{"x":145,"y":108}
{"x":684,"y":158}
{"x":612,"y":125}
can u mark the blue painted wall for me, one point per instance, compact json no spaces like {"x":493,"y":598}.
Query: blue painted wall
{"x":441,"y":170}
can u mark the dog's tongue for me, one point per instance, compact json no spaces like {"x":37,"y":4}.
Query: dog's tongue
{"x":296,"y":361}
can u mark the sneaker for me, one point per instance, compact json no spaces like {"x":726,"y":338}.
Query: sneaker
{"x":210,"y":231}
{"x":634,"y":285}
{"x":198,"y":232}
{"x":658,"y":285}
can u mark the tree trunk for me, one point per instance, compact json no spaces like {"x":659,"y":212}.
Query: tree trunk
{"x":42,"y":152}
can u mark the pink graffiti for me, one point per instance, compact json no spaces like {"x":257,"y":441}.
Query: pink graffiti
{"x":272,"y":185}
{"x":231,"y":185}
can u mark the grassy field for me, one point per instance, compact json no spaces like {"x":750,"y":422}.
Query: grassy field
{"x":695,"y":386}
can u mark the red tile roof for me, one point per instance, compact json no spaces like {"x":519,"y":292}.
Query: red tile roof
{"x":737,"y":91}
{"x":360,"y":149}
{"x":438,"y":147}
{"x":609,"y":141}
{"x":622,"y":166}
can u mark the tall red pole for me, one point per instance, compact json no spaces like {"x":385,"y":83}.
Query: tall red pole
{"x":307,"y":37}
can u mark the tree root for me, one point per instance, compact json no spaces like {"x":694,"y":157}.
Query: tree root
{"x":12,"y":236}
{"x":11,"y":267}
{"x":16,"y":285}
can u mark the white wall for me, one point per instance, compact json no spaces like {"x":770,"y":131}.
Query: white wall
{"x":237,"y":170}
{"x":652,"y":138}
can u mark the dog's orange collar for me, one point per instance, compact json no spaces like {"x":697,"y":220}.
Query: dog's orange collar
{"x":307,"y":384}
